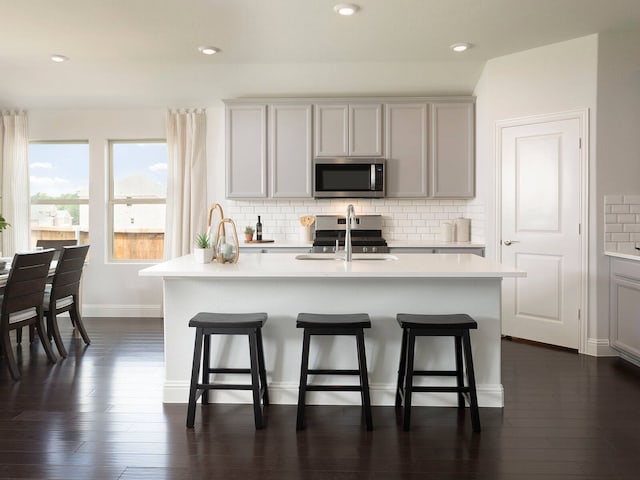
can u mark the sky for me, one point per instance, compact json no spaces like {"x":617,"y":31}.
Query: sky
{"x":59,"y":168}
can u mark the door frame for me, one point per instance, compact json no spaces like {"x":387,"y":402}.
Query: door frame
{"x":582,"y":115}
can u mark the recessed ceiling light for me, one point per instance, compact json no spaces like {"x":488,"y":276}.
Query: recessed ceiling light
{"x":346,"y":8}
{"x":208,"y":50}
{"x":59,"y":58}
{"x":460,"y":47}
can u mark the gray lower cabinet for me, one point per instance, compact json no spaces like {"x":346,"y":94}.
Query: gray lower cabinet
{"x":298,"y":250}
{"x":624,"y":308}
{"x":472,"y":250}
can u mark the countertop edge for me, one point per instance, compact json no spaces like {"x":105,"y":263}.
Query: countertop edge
{"x":626,"y":256}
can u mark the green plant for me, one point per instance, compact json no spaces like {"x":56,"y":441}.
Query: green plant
{"x":249,"y":230}
{"x":3,"y":223}
{"x":202,"y":240}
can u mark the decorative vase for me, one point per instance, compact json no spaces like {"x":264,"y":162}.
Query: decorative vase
{"x":203,"y":255}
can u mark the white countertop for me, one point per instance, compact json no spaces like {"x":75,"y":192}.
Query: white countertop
{"x":258,"y":265}
{"x":626,"y":255}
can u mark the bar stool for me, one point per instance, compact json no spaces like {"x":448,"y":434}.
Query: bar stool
{"x":334,"y":324}
{"x":457,"y":326}
{"x":208,"y":324}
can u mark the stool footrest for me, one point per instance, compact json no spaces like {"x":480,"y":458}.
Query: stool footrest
{"x":333,"y":388}
{"x":326,"y":371}
{"x":436,"y":373}
{"x":228,"y":370}
{"x":440,"y":389}
{"x":224,"y":386}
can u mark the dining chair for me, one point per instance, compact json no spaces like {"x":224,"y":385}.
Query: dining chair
{"x":21,"y":303}
{"x":57,"y":245}
{"x":62,"y":295}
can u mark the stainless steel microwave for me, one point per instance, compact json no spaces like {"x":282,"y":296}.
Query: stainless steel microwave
{"x":349,"y":177}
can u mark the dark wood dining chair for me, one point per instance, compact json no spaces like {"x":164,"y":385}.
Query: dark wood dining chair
{"x":63,"y":294}
{"x":21,"y":303}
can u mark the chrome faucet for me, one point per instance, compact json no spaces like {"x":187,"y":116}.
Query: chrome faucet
{"x":350,"y":216}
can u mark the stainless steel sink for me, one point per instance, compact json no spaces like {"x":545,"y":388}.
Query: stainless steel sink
{"x":356,"y":256}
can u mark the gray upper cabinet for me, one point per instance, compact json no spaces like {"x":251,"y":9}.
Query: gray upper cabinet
{"x":349,"y":129}
{"x":290,"y":138}
{"x":452,"y":171}
{"x":246,"y":152}
{"x":406,"y":149}
{"x":428,"y":143}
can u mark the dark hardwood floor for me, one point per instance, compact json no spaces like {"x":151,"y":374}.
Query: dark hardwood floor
{"x":98,"y":415}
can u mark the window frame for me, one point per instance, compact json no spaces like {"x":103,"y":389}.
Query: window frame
{"x":62,"y":201}
{"x":112,"y":201}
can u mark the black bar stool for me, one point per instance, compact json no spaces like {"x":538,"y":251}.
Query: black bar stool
{"x":334,"y":324}
{"x":208,"y":324}
{"x":457,"y":326}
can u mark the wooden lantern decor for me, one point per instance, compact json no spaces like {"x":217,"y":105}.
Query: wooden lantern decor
{"x":216,"y":207}
{"x":227,"y":246}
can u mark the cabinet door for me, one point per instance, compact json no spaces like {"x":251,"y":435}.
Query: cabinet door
{"x":246,"y":151}
{"x":365,"y":130}
{"x":290,"y":151}
{"x":331,"y":130}
{"x":473,"y":250}
{"x":406,"y":149}
{"x":452,"y":150}
{"x":624,"y":305}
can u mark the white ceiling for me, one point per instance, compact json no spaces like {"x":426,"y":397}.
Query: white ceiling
{"x":137,"y":53}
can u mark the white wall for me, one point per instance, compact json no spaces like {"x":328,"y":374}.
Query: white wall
{"x":549,"y":79}
{"x":618,"y":155}
{"x":109,"y":289}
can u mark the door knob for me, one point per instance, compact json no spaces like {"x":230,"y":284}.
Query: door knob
{"x":509,"y":242}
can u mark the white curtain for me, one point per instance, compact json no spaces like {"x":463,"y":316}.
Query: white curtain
{"x":187,"y":181}
{"x":14,"y":167}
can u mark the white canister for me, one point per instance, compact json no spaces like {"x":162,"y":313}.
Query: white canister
{"x":447,"y":232}
{"x":306,"y":235}
{"x":463,"y":229}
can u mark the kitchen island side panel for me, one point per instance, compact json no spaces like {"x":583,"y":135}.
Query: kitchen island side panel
{"x":283,"y":298}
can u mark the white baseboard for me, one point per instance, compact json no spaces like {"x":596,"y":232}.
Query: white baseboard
{"x":599,"y":347}
{"x":110,"y":310}
{"x":381,"y":395}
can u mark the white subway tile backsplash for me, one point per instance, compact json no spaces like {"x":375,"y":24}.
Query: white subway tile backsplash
{"x":403,"y":219}
{"x":626,"y":218}
{"x":622,"y":222}
{"x":620,"y":237}
{"x":619,"y":208}
{"x":610,"y":199}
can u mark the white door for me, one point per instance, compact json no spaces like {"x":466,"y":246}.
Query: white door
{"x":541,"y":191}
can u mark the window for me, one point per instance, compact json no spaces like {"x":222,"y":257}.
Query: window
{"x":138,"y":193}
{"x":59,"y":188}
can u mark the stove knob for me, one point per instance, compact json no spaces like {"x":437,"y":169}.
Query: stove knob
{"x":374,"y":249}
{"x":364,"y":249}
{"x":324,"y":249}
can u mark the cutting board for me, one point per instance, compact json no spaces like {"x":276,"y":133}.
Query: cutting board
{"x":259,"y":241}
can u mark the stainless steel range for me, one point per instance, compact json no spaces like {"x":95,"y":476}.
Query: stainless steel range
{"x":366,"y":235}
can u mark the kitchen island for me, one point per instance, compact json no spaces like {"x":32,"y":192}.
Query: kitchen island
{"x":282,"y":285}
